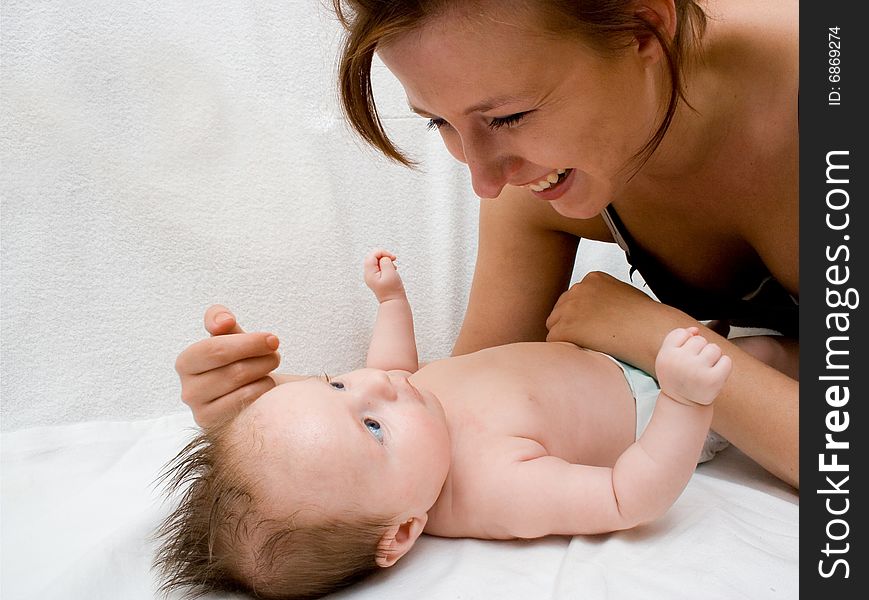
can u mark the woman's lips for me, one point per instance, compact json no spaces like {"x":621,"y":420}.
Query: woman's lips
{"x":558,"y":190}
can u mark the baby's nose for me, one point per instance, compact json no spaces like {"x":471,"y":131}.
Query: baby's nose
{"x":378,"y":384}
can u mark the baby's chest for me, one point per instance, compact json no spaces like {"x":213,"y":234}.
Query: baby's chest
{"x":512,"y":408}
{"x":557,"y":395}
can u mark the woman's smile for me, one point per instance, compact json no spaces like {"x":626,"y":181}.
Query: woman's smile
{"x":554,"y":186}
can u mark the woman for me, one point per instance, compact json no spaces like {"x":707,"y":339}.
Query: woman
{"x":665,"y":126}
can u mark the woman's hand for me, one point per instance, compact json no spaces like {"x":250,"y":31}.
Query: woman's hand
{"x":608,"y":315}
{"x":228,"y":371}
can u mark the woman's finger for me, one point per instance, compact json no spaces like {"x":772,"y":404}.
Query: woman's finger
{"x":215,"y":352}
{"x":232,"y":403}
{"x":219,"y":320}
{"x":205,"y":388}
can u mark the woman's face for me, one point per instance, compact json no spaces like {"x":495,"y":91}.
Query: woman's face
{"x":518,"y":106}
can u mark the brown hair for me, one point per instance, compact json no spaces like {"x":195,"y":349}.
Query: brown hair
{"x":608,"y":25}
{"x":218,"y":538}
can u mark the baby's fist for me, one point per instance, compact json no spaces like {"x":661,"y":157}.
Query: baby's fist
{"x":691,"y":370}
{"x":381,"y":276}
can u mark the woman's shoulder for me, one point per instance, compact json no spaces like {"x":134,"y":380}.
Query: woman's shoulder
{"x":752,"y":54}
{"x":771,"y":14}
{"x":758,"y":41}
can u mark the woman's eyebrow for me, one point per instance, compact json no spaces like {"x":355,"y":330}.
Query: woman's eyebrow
{"x":420,"y":112}
{"x":492,"y":103}
{"x":486,"y":105}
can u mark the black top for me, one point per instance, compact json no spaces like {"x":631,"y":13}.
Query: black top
{"x":769,"y":306}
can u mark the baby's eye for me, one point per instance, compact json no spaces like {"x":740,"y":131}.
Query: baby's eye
{"x":374,"y":427}
{"x":337,"y":385}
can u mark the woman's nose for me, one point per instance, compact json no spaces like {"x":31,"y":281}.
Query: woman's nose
{"x":486,"y":181}
{"x":490,"y":167}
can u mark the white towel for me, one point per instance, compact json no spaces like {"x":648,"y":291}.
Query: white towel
{"x":160,"y":157}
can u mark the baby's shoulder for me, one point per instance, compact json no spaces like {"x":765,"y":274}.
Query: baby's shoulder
{"x":483,"y":471}
{"x":502,"y":447}
{"x":480,"y":462}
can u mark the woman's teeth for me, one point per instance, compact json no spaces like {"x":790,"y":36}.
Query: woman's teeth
{"x":554,"y":178}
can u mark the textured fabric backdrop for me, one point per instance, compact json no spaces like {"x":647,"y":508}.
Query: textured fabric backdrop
{"x":160,"y":157}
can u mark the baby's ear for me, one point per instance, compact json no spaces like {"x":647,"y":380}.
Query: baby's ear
{"x":398,"y":539}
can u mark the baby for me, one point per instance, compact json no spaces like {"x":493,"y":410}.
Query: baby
{"x":323,"y":480}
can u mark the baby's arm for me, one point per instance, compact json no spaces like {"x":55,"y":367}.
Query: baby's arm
{"x":651,"y":474}
{"x":393,"y":345}
{"x":551,"y":496}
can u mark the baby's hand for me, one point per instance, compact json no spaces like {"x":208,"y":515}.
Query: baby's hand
{"x":691,"y":370}
{"x":381,"y":276}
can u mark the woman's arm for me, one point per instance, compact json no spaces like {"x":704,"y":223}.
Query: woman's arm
{"x":523,"y":265}
{"x":758,"y":408}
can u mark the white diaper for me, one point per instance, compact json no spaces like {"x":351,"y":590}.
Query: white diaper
{"x":645,"y":390}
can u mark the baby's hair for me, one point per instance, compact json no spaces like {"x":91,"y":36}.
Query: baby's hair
{"x":219,"y":537}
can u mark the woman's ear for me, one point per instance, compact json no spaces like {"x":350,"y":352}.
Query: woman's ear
{"x":660,"y":14}
{"x":398,"y":539}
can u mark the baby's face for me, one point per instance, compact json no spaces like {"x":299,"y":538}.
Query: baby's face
{"x":365,"y":441}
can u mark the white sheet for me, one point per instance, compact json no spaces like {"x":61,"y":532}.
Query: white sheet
{"x":79,"y":504}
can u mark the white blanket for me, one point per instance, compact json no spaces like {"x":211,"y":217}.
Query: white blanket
{"x":79,"y":505}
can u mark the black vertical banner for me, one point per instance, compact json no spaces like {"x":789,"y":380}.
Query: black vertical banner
{"x":834,"y":225}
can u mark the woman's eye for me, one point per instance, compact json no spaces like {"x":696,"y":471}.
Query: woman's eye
{"x":435,"y":123}
{"x":374,"y":427}
{"x":337,"y":385}
{"x":509,"y":120}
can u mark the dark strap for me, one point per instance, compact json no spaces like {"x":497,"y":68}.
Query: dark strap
{"x":769,"y":306}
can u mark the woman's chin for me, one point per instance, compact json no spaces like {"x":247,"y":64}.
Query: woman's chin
{"x":577,"y":210}
{"x":585,"y":199}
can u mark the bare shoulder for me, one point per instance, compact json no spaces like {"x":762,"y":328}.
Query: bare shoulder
{"x":481,"y":458}
{"x":481,"y":478}
{"x":772,"y":14}
{"x":754,"y":47}
{"x":760,"y":40}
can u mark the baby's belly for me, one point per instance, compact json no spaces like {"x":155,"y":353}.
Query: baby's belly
{"x":574,"y":402}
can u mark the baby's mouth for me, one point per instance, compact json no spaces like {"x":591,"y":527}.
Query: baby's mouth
{"x":552,"y":180}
